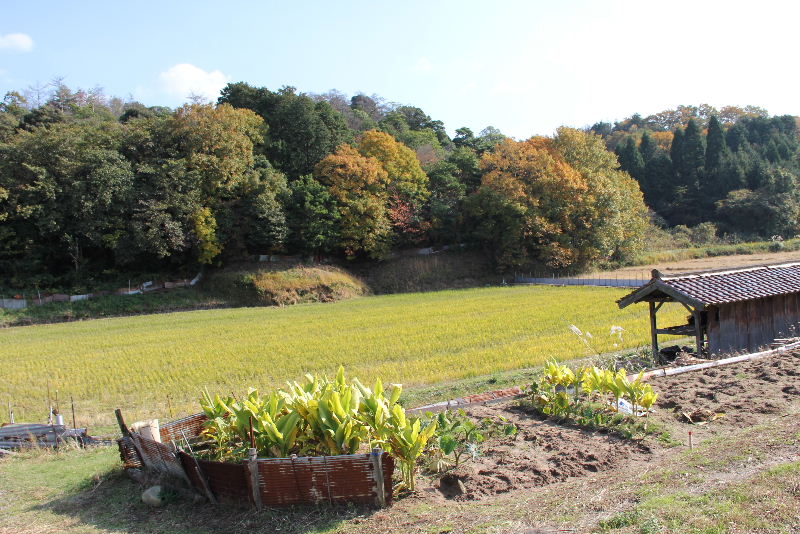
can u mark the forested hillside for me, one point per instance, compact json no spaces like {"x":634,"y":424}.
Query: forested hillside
{"x":736,"y":168}
{"x":92,"y":186}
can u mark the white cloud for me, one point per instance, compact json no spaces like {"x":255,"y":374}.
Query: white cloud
{"x":184,"y":79}
{"x":17,"y":42}
{"x":423,"y":64}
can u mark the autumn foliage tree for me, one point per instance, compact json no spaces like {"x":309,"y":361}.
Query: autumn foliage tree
{"x":575,"y":206}
{"x":360,"y":186}
{"x":407,"y":184}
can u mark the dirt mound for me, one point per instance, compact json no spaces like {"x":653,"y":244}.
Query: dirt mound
{"x":541,"y":453}
{"x":744,"y":391}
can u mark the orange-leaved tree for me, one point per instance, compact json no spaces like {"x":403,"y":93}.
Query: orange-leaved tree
{"x":360,"y":186}
{"x":408,"y":183}
{"x":575,"y":206}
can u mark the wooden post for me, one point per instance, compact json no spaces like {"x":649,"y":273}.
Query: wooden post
{"x":698,"y":333}
{"x":377,"y":466}
{"x":203,"y":481}
{"x":252,"y":466}
{"x":654,"y":332}
{"x":72,"y":402}
{"x":121,"y":422}
{"x":252,"y":435}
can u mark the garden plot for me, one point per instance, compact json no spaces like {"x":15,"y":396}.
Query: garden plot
{"x":717,"y":400}
{"x":541,"y":453}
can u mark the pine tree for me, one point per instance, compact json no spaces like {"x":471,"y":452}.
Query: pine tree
{"x":715,"y":145}
{"x":694,"y":156}
{"x":676,"y":154}
{"x":647,"y":147}
{"x":658,"y":183}
{"x":630,"y":159}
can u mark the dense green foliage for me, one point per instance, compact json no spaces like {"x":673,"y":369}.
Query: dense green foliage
{"x":735,"y":168}
{"x":92,"y":188}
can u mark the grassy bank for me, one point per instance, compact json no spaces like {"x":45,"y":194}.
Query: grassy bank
{"x":150,"y":364}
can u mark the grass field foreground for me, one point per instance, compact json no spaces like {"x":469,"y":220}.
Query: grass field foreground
{"x":157,"y":365}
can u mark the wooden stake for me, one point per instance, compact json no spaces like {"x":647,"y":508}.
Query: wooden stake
{"x":169,"y":406}
{"x":121,"y":422}
{"x":252,"y":435}
{"x":252,"y":465}
{"x":377,"y":466}
{"x":72,"y":402}
{"x":691,"y":444}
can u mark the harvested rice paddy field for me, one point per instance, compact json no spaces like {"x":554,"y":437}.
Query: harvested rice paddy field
{"x":157,"y":365}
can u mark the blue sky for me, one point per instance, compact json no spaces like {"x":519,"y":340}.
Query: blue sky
{"x":525,"y":67}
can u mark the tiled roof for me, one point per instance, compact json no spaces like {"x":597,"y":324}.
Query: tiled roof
{"x":722,"y":287}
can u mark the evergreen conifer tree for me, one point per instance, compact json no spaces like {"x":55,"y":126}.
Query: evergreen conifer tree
{"x":715,"y":144}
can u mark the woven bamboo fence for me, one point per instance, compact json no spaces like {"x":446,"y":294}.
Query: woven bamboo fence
{"x":260,"y":482}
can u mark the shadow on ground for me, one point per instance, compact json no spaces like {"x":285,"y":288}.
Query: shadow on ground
{"x":113,"y":503}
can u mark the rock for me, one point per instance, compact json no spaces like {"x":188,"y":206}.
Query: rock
{"x":152,"y":496}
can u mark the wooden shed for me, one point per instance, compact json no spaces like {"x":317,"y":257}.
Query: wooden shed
{"x":730,"y":310}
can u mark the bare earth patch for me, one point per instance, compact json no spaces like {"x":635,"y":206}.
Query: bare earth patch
{"x":549,"y":477}
{"x":702,"y":264}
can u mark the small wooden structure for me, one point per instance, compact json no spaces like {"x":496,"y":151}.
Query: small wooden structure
{"x":730,"y":310}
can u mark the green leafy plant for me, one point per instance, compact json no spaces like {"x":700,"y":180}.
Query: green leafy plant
{"x":549,"y":395}
{"x":317,"y":417}
{"x":459,"y":436}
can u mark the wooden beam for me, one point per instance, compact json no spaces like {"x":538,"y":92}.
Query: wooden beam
{"x":698,"y":333}
{"x":654,"y":330}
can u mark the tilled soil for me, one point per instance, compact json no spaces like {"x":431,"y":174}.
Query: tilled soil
{"x":543,"y":452}
{"x":742,"y":393}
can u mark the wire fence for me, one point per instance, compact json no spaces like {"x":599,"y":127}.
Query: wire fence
{"x":627,"y":279}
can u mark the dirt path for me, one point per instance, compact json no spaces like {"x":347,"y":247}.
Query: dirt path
{"x":701,"y":264}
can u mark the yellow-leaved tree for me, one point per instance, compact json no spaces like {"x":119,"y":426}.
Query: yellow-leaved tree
{"x":569,"y":203}
{"x":218,"y":142}
{"x":360,"y":186}
{"x":407,"y":186}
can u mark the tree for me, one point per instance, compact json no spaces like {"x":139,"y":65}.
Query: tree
{"x":659,"y":180}
{"x":313,"y":216}
{"x":359,"y":184}
{"x":300,"y":131}
{"x":615,"y":216}
{"x":444,"y":205}
{"x":66,"y":189}
{"x":532,"y":175}
{"x":715,"y":144}
{"x":693,"y":158}
{"x":647,"y":146}
{"x":407,"y":183}
{"x":217,"y":144}
{"x":630,"y":158}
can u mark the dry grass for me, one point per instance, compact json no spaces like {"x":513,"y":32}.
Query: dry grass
{"x":705,"y":263}
{"x":156,"y":366}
